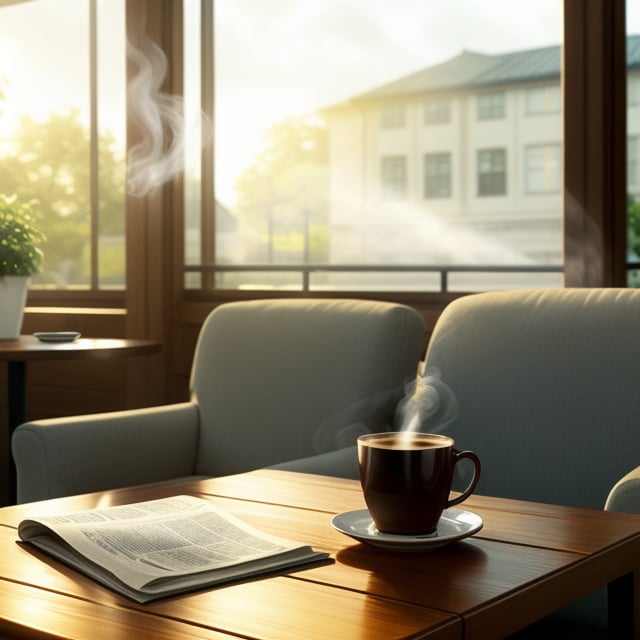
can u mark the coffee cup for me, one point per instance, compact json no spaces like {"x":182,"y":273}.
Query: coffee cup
{"x":406,"y":479}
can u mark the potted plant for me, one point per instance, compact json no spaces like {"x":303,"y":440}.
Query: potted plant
{"x":20,"y":258}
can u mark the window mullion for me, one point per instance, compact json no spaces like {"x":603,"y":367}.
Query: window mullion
{"x":595,"y":143}
{"x":94,"y":141}
{"x":208,"y":199}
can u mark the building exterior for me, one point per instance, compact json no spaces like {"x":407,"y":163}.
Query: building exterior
{"x":460,"y":163}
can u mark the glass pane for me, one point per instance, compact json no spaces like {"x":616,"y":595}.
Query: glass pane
{"x":45,"y":132}
{"x":193,"y":136}
{"x":112,"y":123}
{"x":327,"y":114}
{"x":633,"y":141}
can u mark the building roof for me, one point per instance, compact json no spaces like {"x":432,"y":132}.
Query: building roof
{"x":472,"y":70}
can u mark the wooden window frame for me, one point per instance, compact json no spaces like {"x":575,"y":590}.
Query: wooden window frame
{"x":595,"y":180}
{"x":594,"y":83}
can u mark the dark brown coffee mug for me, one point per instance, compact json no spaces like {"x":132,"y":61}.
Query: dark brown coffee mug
{"x":406,"y":479}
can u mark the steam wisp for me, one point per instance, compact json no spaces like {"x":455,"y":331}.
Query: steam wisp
{"x":428,"y":406}
{"x":159,"y":156}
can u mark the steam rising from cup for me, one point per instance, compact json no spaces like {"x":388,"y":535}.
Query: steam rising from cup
{"x":429,"y":404}
{"x":159,"y":156}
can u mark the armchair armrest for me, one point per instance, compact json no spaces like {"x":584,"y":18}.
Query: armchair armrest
{"x":625,"y":495}
{"x":80,"y":454}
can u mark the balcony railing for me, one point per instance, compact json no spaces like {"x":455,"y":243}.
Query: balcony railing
{"x":307,"y":270}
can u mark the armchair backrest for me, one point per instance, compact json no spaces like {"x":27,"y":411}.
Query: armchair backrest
{"x":547,"y":385}
{"x":278,"y":379}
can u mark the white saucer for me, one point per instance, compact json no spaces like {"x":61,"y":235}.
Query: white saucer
{"x":56,"y":336}
{"x":454,"y":524}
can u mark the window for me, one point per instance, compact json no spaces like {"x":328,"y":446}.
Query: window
{"x":491,"y":106}
{"x":62,"y":136}
{"x":392,"y":118}
{"x":325,"y":183}
{"x":543,"y":100}
{"x":437,"y":112}
{"x":437,"y":175}
{"x":310,"y":188}
{"x":492,"y":172}
{"x":542,"y":168}
{"x":393,"y":178}
{"x":345,"y":131}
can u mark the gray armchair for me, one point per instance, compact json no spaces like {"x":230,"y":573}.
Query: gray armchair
{"x":546,"y":383}
{"x":272,"y":381}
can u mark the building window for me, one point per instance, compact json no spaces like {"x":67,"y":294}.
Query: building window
{"x":542,"y":100}
{"x":393,"y":178}
{"x":437,"y":175}
{"x":393,"y":117}
{"x":492,"y":172}
{"x":542,"y":168}
{"x":491,"y":106}
{"x":437,"y":112}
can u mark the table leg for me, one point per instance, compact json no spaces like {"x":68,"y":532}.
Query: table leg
{"x":623,"y":612}
{"x":17,"y":400}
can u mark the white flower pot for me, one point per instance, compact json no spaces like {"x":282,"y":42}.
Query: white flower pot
{"x":13,"y":297}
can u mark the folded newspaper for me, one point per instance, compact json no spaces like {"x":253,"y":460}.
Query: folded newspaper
{"x":159,"y":548}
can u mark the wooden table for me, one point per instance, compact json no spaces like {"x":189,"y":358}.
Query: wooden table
{"x":17,"y":353}
{"x":527,"y":561}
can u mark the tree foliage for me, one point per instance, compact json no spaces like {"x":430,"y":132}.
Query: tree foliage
{"x":49,"y":162}
{"x":633,"y":231}
{"x":283,"y":196}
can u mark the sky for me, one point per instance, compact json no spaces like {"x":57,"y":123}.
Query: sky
{"x":273,"y":57}
{"x":337,"y":47}
{"x":294,"y":56}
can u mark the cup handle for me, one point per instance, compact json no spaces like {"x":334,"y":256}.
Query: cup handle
{"x":459,"y":455}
